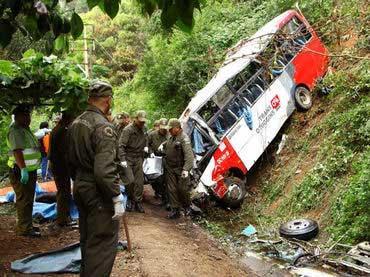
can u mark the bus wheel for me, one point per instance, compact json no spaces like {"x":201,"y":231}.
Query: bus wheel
{"x":302,"y":229}
{"x":236,"y":192}
{"x":303,"y":99}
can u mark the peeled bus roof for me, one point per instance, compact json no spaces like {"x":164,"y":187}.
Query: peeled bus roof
{"x":237,"y":61}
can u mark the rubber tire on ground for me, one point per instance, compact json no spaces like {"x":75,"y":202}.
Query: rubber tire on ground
{"x":234,"y":203}
{"x":299,"y":102}
{"x":302,"y":229}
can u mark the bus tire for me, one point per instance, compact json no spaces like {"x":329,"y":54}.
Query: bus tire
{"x":303,"y":98}
{"x":234,"y":197}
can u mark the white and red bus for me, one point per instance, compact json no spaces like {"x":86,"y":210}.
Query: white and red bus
{"x":233,"y":119}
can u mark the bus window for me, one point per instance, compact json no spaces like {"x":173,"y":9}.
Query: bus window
{"x":201,"y":143}
{"x":250,"y":70}
{"x":222,"y":96}
{"x":208,"y":110}
{"x":252,"y":93}
{"x":237,"y":82}
{"x":223,"y":121}
{"x":243,"y":77}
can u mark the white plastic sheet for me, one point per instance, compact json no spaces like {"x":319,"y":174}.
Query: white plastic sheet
{"x":153,"y":167}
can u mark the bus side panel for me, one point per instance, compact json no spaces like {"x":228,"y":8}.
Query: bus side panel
{"x":311,"y":63}
{"x":224,"y":158}
{"x":269,"y":114}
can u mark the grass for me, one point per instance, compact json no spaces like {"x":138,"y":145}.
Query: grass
{"x":333,"y":156}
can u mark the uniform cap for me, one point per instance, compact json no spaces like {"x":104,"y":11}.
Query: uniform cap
{"x":163,"y":123}
{"x":141,"y":116}
{"x":122,"y":115}
{"x":25,"y":109}
{"x":156,"y":123}
{"x":100,"y":89}
{"x":173,"y":123}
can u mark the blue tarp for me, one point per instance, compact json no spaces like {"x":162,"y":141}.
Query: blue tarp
{"x":44,"y":211}
{"x":64,"y":260}
{"x":47,"y":211}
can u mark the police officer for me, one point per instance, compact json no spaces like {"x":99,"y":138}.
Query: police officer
{"x":155,"y":127}
{"x":59,"y":166}
{"x":120,"y":121}
{"x":179,"y":161}
{"x":132,"y":146}
{"x":24,"y":160}
{"x":155,"y":139}
{"x":93,"y":158}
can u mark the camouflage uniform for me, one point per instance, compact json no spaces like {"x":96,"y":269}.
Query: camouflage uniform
{"x":93,"y":158}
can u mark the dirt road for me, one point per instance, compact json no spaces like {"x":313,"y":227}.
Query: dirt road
{"x":161,"y":247}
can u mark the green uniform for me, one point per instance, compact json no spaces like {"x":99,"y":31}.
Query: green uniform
{"x":20,"y":138}
{"x":131,"y":149}
{"x":119,"y":129}
{"x":155,"y":139}
{"x":93,"y":158}
{"x":59,"y":166}
{"x":179,"y":157}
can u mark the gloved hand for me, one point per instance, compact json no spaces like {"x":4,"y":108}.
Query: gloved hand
{"x":152,"y":155}
{"x":119,"y":209}
{"x":146,"y":149}
{"x":184,"y":174}
{"x":161,"y":148}
{"x":124,"y":164}
{"x":24,"y":176}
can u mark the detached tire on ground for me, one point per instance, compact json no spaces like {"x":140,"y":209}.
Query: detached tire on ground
{"x":303,"y":99}
{"x":236,"y":192}
{"x":302,"y":229}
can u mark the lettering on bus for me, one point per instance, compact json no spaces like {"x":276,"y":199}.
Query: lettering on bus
{"x":275,"y":102}
{"x":268,"y":113}
{"x":223,"y":157}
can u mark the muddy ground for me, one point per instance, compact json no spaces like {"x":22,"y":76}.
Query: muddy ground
{"x":161,"y":247}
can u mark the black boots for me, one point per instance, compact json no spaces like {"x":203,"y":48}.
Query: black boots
{"x":139,"y":207}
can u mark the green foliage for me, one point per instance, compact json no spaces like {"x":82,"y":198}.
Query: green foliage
{"x":120,"y":44}
{"x":175,"y":66}
{"x":40,"y":80}
{"x":351,"y":211}
{"x":340,"y":177}
{"x":46,"y":18}
{"x":4,"y":126}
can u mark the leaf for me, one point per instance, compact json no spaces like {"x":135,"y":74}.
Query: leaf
{"x":111,"y":8}
{"x":6,"y":68}
{"x":92,"y":3}
{"x":29,"y":53}
{"x":59,"y":43}
{"x":57,"y":24}
{"x":77,"y":25}
{"x":43,"y":24}
{"x":6,"y":33}
{"x":66,"y":26}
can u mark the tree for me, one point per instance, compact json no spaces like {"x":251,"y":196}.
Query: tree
{"x":47,"y":18}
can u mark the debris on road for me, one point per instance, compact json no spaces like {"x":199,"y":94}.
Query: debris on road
{"x":249,"y":231}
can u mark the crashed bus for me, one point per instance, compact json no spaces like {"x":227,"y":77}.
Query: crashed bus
{"x":233,"y":119}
